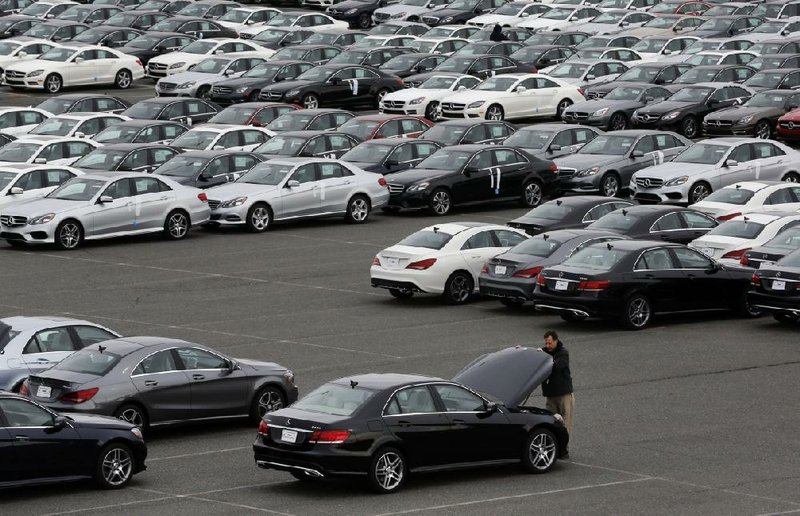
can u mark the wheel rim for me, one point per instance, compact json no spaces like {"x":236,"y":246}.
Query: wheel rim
{"x":533,"y":194}
{"x":53,"y":84}
{"x":178,"y":225}
{"x":791,"y":178}
{"x":269,"y":402}
{"x":364,"y":21}
{"x":494,"y":113}
{"x":132,"y":416}
{"x":117,"y":465}
{"x":459,"y":288}
{"x":441,"y":203}
{"x":123,"y":80}
{"x":564,"y":104}
{"x":699,"y":193}
{"x":381,"y":94}
{"x":763,"y":131}
{"x":389,"y":470}
{"x":311,"y":102}
{"x":618,"y":123}
{"x":260,"y":218}
{"x":542,"y":451}
{"x":433,"y":111}
{"x":639,"y":312}
{"x":359,"y":209}
{"x":70,"y":235}
{"x":610,"y":186}
{"x":689,"y":128}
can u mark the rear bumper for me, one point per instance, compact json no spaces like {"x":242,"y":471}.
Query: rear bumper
{"x":506,"y":288}
{"x":778,"y":305}
{"x":579,"y":306}
{"x":321,"y":462}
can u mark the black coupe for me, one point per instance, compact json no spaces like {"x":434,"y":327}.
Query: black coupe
{"x":656,"y":222}
{"x":247,"y":87}
{"x":777,"y":288}
{"x":390,"y":155}
{"x":573,"y":212}
{"x":782,"y":244}
{"x":152,"y":44}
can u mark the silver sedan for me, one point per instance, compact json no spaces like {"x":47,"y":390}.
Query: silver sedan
{"x":295,"y":188}
{"x":105,"y":205}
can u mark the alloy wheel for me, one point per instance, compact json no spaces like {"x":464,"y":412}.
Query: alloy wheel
{"x":178,"y":225}
{"x":639,"y":312}
{"x":117,"y":466}
{"x":123,"y":79}
{"x":440,"y":202}
{"x":433,"y":112}
{"x":310,"y":102}
{"x":533,"y":194}
{"x":763,"y":131}
{"x":494,"y":113}
{"x":389,"y":471}
{"x":698,"y":193}
{"x":618,"y":122}
{"x":269,"y":401}
{"x":260,"y":218}
{"x":689,"y":128}
{"x":53,"y":84}
{"x":460,"y":289}
{"x":359,"y":210}
{"x":610,"y":186}
{"x":562,"y":106}
{"x":542,"y":451}
{"x":70,"y":235}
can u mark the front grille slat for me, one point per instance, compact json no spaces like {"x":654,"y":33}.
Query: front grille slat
{"x":13,"y":221}
{"x":649,"y":182}
{"x":395,"y":188}
{"x":394,"y":104}
{"x":566,"y":172}
{"x":214,"y":204}
{"x":221,"y":90}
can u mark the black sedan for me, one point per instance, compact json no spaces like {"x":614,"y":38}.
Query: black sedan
{"x":495,"y":48}
{"x":573,"y":212}
{"x":404,"y":65}
{"x":195,"y":27}
{"x":725,"y":26}
{"x":472,"y":174}
{"x":461,"y":132}
{"x":314,"y":54}
{"x":713,"y":73}
{"x":773,"y":61}
{"x":358,"y":13}
{"x":382,"y":427}
{"x":390,"y":155}
{"x":279,"y":37}
{"x":107,"y":36}
{"x":56,"y":30}
{"x":369,"y":56}
{"x":16,"y":24}
{"x":634,"y":280}
{"x":757,"y":117}
{"x":126,"y":157}
{"x":186,"y":110}
{"x":166,"y":6}
{"x":656,"y":222}
{"x":542,"y":56}
{"x":141,"y":20}
{"x":480,"y":66}
{"x":8,"y":7}
{"x":511,"y":276}
{"x":152,"y":44}
{"x":684,"y":110}
{"x":335,"y":85}
{"x":776,"y":79}
{"x":208,"y":9}
{"x":651,"y":73}
{"x":784,"y":243}
{"x":83,"y":103}
{"x":310,"y":119}
{"x":204,"y":169}
{"x":91,"y":14}
{"x":248,"y":86}
{"x":310,"y":144}
{"x":257,"y":114}
{"x":460,"y":11}
{"x":140,"y":131}
{"x":613,"y":111}
{"x":550,"y":141}
{"x":776,"y":288}
{"x":63,"y":448}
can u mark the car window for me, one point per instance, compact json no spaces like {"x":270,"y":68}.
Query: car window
{"x":332,"y":170}
{"x":668,"y":222}
{"x":146,"y":185}
{"x":691,"y":259}
{"x":694,"y":220}
{"x":508,"y":238}
{"x":598,"y":211}
{"x":56,"y":177}
{"x":119,"y":189}
{"x":194,"y":358}
{"x":22,"y":413}
{"x":53,"y":339}
{"x":654,"y":259}
{"x":765,"y":150}
{"x":92,"y":335}
{"x":415,"y":400}
{"x":740,"y":154}
{"x":456,"y":399}
{"x":781,"y":196}
{"x":160,"y":362}
{"x":305,"y":174}
{"x":479,"y":241}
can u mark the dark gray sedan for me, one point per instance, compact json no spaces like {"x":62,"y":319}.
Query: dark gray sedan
{"x":757,"y":117}
{"x":613,"y":111}
{"x":153,"y":381}
{"x":550,"y":141}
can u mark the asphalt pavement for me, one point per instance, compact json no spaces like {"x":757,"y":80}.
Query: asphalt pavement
{"x":696,"y":415}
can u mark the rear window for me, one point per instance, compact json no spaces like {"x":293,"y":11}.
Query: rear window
{"x":738,"y":229}
{"x":427,"y":239}
{"x":537,"y":247}
{"x":334,"y":399}
{"x":596,"y":258}
{"x":550,"y":211}
{"x":788,"y":240}
{"x":7,"y":334}
{"x":737,"y":196}
{"x":89,"y":361}
{"x":791,"y":260}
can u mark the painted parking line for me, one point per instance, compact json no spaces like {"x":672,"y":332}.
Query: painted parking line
{"x":208,"y":452}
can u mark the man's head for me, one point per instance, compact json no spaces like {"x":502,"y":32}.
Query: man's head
{"x":550,"y":340}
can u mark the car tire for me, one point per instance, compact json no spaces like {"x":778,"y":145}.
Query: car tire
{"x":358,"y":208}
{"x":699,"y":191}
{"x":512,"y":302}
{"x":791,"y":177}
{"x":561,"y":107}
{"x":387,"y":471}
{"x":432,"y":111}
{"x":53,"y":83}
{"x":745,"y":309}
{"x":618,"y":122}
{"x":379,"y":97}
{"x":69,"y":235}
{"x":763,"y":130}
{"x":114,"y":468}
{"x":784,"y":319}
{"x":311,"y":101}
{"x":268,"y":399}
{"x":177,"y":225}
{"x":541,"y":451}
{"x":532,"y":194}
{"x":124,"y":79}
{"x":458,"y":288}
{"x":363,"y":21}
{"x":689,"y":127}
{"x":637,"y":312}
{"x":495,"y":112}
{"x":133,"y":414}
{"x":259,"y":218}
{"x":203,"y":92}
{"x":441,"y":202}
{"x":401,"y":293}
{"x":610,"y":185}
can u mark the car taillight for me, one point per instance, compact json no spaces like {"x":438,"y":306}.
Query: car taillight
{"x":553,"y":168}
{"x":80,"y":396}
{"x":400,"y":82}
{"x":593,"y":286}
{"x":737,"y":254}
{"x":23,"y":389}
{"x":203,"y":197}
{"x":422,"y":264}
{"x":744,"y":260}
{"x":755,"y":280}
{"x":540,"y":280}
{"x":723,"y":218}
{"x":528,"y":273}
{"x":382,"y":182}
{"x":263,"y":428}
{"x":580,"y":90}
{"x":376,"y":261}
{"x":329,"y":436}
{"x":485,"y":267}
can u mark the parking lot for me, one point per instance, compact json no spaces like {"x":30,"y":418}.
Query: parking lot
{"x":697,"y":415}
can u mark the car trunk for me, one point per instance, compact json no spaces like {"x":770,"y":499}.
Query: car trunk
{"x":291,"y":429}
{"x":508,"y":264}
{"x":48,"y":387}
{"x":399,"y":256}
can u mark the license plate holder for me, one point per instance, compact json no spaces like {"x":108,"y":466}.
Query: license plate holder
{"x":289,"y":436}
{"x":778,"y":285}
{"x":44,"y":391}
{"x":394,"y":262}
{"x":500,"y":269}
{"x":561,"y":285}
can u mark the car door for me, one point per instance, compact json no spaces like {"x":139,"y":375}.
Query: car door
{"x":115,"y":216}
{"x":162,"y":386}
{"x":340,"y":87}
{"x":303,"y":199}
{"x":335,"y":186}
{"x":136,"y":161}
{"x":218,"y":386}
{"x":422,"y":427}
{"x":198,"y":111}
{"x":769,"y":162}
{"x":47,"y":348}
{"x":703,"y":284}
{"x":739,"y":166}
{"x":476,"y":182}
{"x":510,"y":171}
{"x":400,"y":158}
{"x":82,"y":69}
{"x":642,"y":155}
{"x":152,"y":202}
{"x":105,"y":66}
{"x":478,"y":249}
{"x":216,"y":172}
{"x":656,"y":274}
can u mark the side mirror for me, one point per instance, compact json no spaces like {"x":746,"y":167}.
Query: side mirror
{"x":491,"y":407}
{"x":80,"y":135}
{"x":461,"y":88}
{"x":390,"y":163}
{"x":159,"y":49}
{"x":521,"y":89}
{"x":590,"y":77}
{"x":574,"y":18}
{"x":105,"y":199}
{"x":623,"y":24}
{"x":715,"y":267}
{"x":730,"y":163}
{"x":22,"y":53}
{"x":59,"y":423}
{"x":637,"y":154}
{"x":554,"y":148}
{"x":335,"y":80}
{"x":468,"y":171}
{"x":293,"y":183}
{"x":785,"y":33}
{"x":218,"y":52}
{"x":229,"y":71}
{"x":78,"y":60}
{"x":649,"y":99}
{"x":40,"y":161}
{"x":217,"y":147}
{"x":16,"y":190}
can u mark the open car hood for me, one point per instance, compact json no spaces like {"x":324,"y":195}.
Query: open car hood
{"x":510,"y":375}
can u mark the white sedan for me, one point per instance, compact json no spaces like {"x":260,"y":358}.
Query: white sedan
{"x":560,"y":18}
{"x":17,"y":121}
{"x":749,"y":196}
{"x":510,"y":14}
{"x":196,"y":51}
{"x":585,"y":72}
{"x":442,"y":259}
{"x":728,"y":242}
{"x":242,"y":17}
{"x":53,"y":150}
{"x":513,"y":96}
{"x":15,"y":51}
{"x":23,"y":181}
{"x":80,"y":66}
{"x":79,"y":125}
{"x":220,"y":136}
{"x":446,"y":46}
{"x":425,"y":100}
{"x":298,"y":20}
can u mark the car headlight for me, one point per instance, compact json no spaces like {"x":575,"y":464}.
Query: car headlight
{"x":35,"y":73}
{"x":419,"y":187}
{"x":588,"y":172}
{"x":242,"y":89}
{"x":233,"y":203}
{"x":136,"y":432}
{"x":600,"y":112}
{"x":351,"y":11}
{"x":186,"y":85}
{"x":42,"y":219}
{"x":448,"y":19}
{"x":417,"y":100}
{"x":677,"y":181}
{"x":399,"y":15}
{"x":476,"y":104}
{"x":289,"y":375}
{"x":177,"y":65}
{"x":672,"y":115}
{"x":635,"y":113}
{"x":746,"y":120}
{"x":292,"y":93}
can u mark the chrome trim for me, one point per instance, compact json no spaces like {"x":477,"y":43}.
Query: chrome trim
{"x":793,"y":311}
{"x":574,"y":311}
{"x":308,"y":471}
{"x":270,"y":425}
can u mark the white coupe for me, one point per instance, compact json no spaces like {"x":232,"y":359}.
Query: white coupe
{"x":243,"y":17}
{"x":560,"y":18}
{"x":15,"y":51}
{"x":79,"y":125}
{"x":425,"y":100}
{"x":749,"y":196}
{"x":442,"y":259}
{"x":728,"y":242}
{"x":24,"y":181}
{"x":196,"y":51}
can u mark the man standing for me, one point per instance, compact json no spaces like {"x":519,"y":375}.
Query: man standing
{"x":558,"y":387}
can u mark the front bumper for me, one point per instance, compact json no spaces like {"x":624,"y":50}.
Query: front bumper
{"x":582,"y":184}
{"x":727,"y":129}
{"x":226,"y":99}
{"x":36,"y":83}
{"x":659,"y":123}
{"x":402,"y":108}
{"x":37,"y":234}
{"x":665,"y":194}
{"x":229,"y":216}
{"x":508,"y":288}
{"x":789,"y":131}
{"x":411,"y":200}
{"x":583,"y":118}
{"x":478,"y":112}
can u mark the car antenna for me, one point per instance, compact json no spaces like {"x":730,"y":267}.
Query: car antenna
{"x":746,"y":220}
{"x":624,"y":212}
{"x":353,"y":384}
{"x":101,"y":348}
{"x":559,"y":202}
{"x":435,"y":229}
{"x":545,"y":236}
{"x":610,"y":247}
{"x":738,"y":186}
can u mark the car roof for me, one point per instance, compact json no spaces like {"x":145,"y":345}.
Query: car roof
{"x":652,"y":208}
{"x":753,"y":186}
{"x":132,"y":146}
{"x":383,"y":381}
{"x":138,"y":122}
{"x":636,"y":245}
{"x":381,"y":117}
{"x":454,"y":228}
{"x":766,"y":217}
{"x":27,"y":323}
{"x":321,"y":111}
{"x":212,"y":153}
{"x":108,"y":176}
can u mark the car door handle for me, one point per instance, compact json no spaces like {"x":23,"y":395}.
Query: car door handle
{"x":22,"y":438}
{"x":163,"y":198}
{"x":649,"y":276}
{"x":198,"y":377}
{"x":476,"y":256}
{"x":404,"y":423}
{"x":42,"y":360}
{"x":347,"y":183}
{"x":150,"y":383}
{"x":458,"y":421}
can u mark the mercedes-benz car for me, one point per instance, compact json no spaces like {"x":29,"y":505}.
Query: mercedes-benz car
{"x":568,"y":212}
{"x":758,"y":117}
{"x":551,"y":141}
{"x":776,"y":289}
{"x":613,"y":110}
{"x":247,"y":87}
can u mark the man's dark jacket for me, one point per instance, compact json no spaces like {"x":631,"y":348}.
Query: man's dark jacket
{"x":560,"y":381}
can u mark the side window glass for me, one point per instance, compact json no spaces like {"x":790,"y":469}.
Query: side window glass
{"x":160,"y":362}
{"x":89,"y":335}
{"x":194,"y":358}
{"x":415,"y":400}
{"x":119,"y":189}
{"x":508,"y":238}
{"x":402,"y":154}
{"x":655,"y":259}
{"x":694,"y":220}
{"x":54,"y":339}
{"x":305,"y":174}
{"x":740,"y":154}
{"x":598,"y":211}
{"x":669,"y":222}
{"x":563,"y":139}
{"x":691,"y":259}
{"x":146,"y":185}
{"x":456,"y":399}
{"x":480,"y":240}
{"x":56,"y":177}
{"x":24,"y":413}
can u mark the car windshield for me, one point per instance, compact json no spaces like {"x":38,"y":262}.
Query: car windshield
{"x":366,"y":153}
{"x":77,"y":189}
{"x":569,"y":70}
{"x":510,"y":9}
{"x":153,"y":5}
{"x":595,"y":41}
{"x":438,"y":83}
{"x":497,"y":84}
{"x":525,"y":54}
{"x":444,"y":134}
{"x":19,"y":152}
{"x":290,"y":54}
{"x":660,"y":23}
{"x":384,"y":29}
{"x":263,"y":71}
{"x":182,"y":166}
{"x":766,"y":63}
{"x":624,"y":93}
{"x":271,"y":36}
{"x":348,"y":57}
{"x":696,"y":75}
{"x":715,"y":25}
{"x":56,"y":105}
{"x":737,"y":196}
{"x":122,"y":19}
{"x":96,"y":362}
{"x":702,"y":60}
{"x":455,"y":64}
{"x":640,"y":74}
{"x":745,"y":229}
{"x":282,"y":145}
{"x":144,"y":110}
{"x":361,"y":129}
{"x":766,"y":100}
{"x":42,"y":30}
{"x":541,"y":39}
{"x":529,"y":138}
{"x":692,"y":94}
{"x":464,"y":5}
{"x":427,"y":239}
{"x":701,"y":45}
{"x":234,"y":115}
{"x":334,"y":399}
{"x":145,"y":41}
{"x":266,"y":174}
{"x":650,"y":45}
{"x":446,"y":159}
{"x":167,"y":25}
{"x":608,"y":17}
{"x":318,"y":73}
{"x":291,"y":122}
{"x":609,"y":145}
{"x":283,"y":20}
{"x":59,"y":54}
{"x":90,"y":36}
{"x":415,"y":3}
{"x":195,"y":140}
{"x":7,"y":47}
{"x":321,"y":38}
{"x":788,"y":239}
{"x":101,"y":159}
{"x":613,"y":4}
{"x":767,"y":48}
{"x":558,"y":14}
{"x":55,"y":127}
{"x":702,"y":153}
{"x":770,"y":27}
{"x":401,"y":62}
{"x":553,"y":210}
{"x":236,"y":15}
{"x":765,"y":79}
{"x":36,"y":9}
{"x":200,"y":47}
{"x":215,"y":66}
{"x":596,"y":257}
{"x":116,"y":134}
{"x":196,"y":10}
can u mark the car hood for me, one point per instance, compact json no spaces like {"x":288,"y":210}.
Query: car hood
{"x":590,"y":106}
{"x":245,"y":81}
{"x":350,"y":4}
{"x":444,"y":13}
{"x":510,"y":375}
{"x":181,"y":78}
{"x":666,"y":107}
{"x":135,"y":51}
{"x":465,"y":97}
{"x":400,"y":8}
{"x":289,"y":85}
{"x":412,"y":93}
{"x":95,"y":421}
{"x":37,"y":207}
{"x":670,"y":170}
{"x":412,"y":176}
{"x":234,"y":190}
{"x":257,"y":365}
{"x":176,"y":57}
{"x":597,"y":28}
{"x":582,"y":161}
{"x":29,"y":66}
{"x":610,"y":85}
{"x":737,"y":112}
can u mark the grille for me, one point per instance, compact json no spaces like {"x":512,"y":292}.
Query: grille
{"x":221,"y":90}
{"x":168,"y":85}
{"x":787,"y":125}
{"x":157,"y":69}
{"x":649,"y":182}
{"x":394,"y":104}
{"x":381,"y":16}
{"x":268,"y":95}
{"x":11,"y":221}
{"x":395,"y":188}
{"x":449,"y":106}
{"x":566,"y":172}
{"x":647,"y":117}
{"x":334,"y":12}
{"x":718,"y":123}
{"x":576,"y":116}
{"x":596,"y":94}
{"x":430,"y":20}
{"x":244,"y":35}
{"x":213,"y":204}
{"x":12,"y":74}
